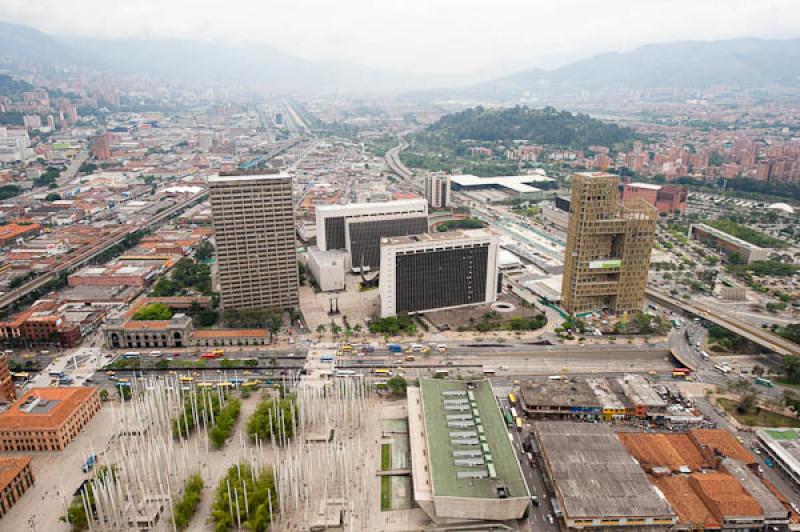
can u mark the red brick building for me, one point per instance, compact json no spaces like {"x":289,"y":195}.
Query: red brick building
{"x":47,"y":419}
{"x":7,"y":392}
{"x":15,"y":479}
{"x":665,"y":198}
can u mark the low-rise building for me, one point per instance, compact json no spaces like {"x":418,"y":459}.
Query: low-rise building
{"x":15,"y":479}
{"x":121,"y":332}
{"x":47,"y":419}
{"x":726,"y":243}
{"x":597,"y":484}
{"x":463,"y":466}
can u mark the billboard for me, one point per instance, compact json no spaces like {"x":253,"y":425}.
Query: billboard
{"x":605,"y":264}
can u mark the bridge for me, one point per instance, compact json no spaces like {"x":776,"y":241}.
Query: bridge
{"x":395,"y":164}
{"x":83,"y":257}
{"x":757,"y":335}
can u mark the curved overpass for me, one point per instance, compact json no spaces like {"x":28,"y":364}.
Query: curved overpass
{"x":395,"y":164}
{"x":758,"y":336}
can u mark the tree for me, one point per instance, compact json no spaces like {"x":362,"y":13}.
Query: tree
{"x":186,"y":506}
{"x":103,"y":394}
{"x":153,"y":312}
{"x":204,"y":251}
{"x":397,"y":385}
{"x":53,"y":196}
{"x":758,"y":370}
{"x":320,"y":330}
{"x":746,"y":404}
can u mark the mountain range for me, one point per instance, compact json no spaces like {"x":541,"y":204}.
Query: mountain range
{"x":745,"y":62}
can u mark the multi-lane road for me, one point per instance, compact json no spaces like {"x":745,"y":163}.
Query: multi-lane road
{"x":756,"y":335}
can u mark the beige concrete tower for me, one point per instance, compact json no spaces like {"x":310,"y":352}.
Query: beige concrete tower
{"x":608,"y":247}
{"x":255,"y":240}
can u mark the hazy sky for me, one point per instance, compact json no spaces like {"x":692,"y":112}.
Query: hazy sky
{"x":449,"y":36}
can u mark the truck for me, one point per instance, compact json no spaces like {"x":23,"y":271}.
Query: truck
{"x":395,"y":348}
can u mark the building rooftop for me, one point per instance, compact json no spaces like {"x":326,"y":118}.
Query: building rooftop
{"x":724,"y":443}
{"x":686,"y":502}
{"x":517,"y":183}
{"x":593,"y":474}
{"x":726,"y":236}
{"x":10,"y":467}
{"x":230,"y":333}
{"x":677,"y":452}
{"x":375,"y":206}
{"x":639,"y":391}
{"x":785,"y":444}
{"x":437,"y":237}
{"x":723,"y":492}
{"x":247,"y":177}
{"x":468,"y":427}
{"x":558,"y":393}
{"x":770,"y":505}
{"x":44,"y":408}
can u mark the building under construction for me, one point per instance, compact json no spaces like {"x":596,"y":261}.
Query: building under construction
{"x":608,"y":247}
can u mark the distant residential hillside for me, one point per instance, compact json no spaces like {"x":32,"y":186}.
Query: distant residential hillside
{"x":538,"y":126}
{"x":11,"y":87}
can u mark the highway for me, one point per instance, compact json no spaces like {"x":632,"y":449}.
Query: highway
{"x":396,"y":165}
{"x":756,"y":335}
{"x":82,"y":257}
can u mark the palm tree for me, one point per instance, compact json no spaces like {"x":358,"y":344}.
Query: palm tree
{"x":321,"y":330}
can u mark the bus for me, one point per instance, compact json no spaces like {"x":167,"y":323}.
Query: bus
{"x":722,"y":368}
{"x":553,"y":378}
{"x":205,"y":385}
{"x":224,"y":385}
{"x":130,"y":355}
{"x":518,"y":422}
{"x":512,"y":398}
{"x":509,"y":419}
{"x":381,"y":371}
{"x":236,"y":380}
{"x":395,"y":348}
{"x":345,"y":373}
{"x":676,"y":323}
{"x":488,"y":372}
{"x":326,"y":358}
{"x":380,"y":385}
{"x":347,"y":347}
{"x":186,"y":378}
{"x":211,"y":354}
{"x":681,"y":373}
{"x":514,"y":412}
{"x":764,"y":382}
{"x":326,"y":374}
{"x":439,"y":373}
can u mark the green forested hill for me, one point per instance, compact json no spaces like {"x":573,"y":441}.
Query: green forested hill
{"x":538,"y":126}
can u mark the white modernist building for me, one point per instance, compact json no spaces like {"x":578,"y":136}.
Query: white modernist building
{"x":359,"y":227}
{"x":435,"y":271}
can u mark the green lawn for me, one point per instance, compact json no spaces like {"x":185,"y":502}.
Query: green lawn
{"x":787,"y":384}
{"x":762,"y":418}
{"x":386,"y":456}
{"x":386,"y":493}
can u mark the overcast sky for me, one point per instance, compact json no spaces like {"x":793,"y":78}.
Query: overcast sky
{"x":448,"y":36}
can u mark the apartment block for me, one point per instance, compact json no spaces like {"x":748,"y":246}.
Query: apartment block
{"x":440,"y":270}
{"x":437,"y":190}
{"x":255,"y":240}
{"x":608,"y":247}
